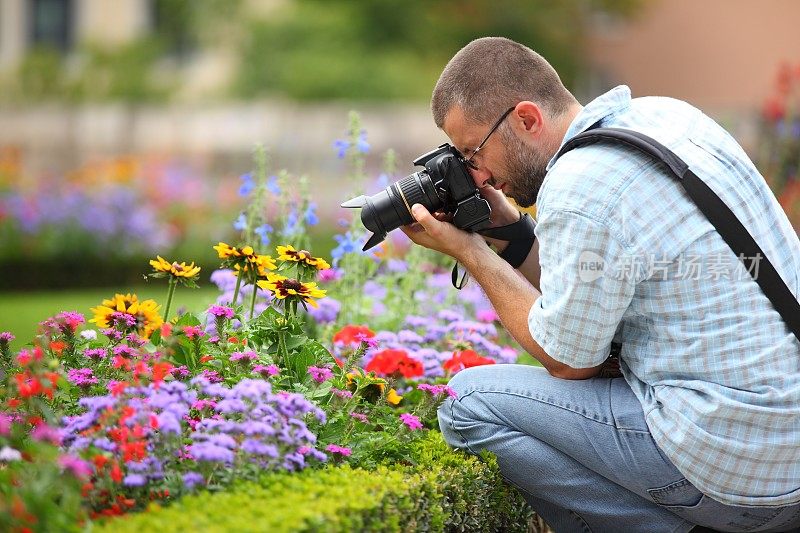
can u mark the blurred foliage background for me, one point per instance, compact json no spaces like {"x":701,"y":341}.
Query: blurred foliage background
{"x":306,"y":49}
{"x":125,"y":125}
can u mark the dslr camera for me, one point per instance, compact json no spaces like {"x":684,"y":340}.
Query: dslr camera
{"x":444,"y":185}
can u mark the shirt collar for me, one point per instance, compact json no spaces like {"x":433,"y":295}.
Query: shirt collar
{"x":604,"y":105}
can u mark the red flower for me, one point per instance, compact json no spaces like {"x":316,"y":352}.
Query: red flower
{"x":58,"y":346}
{"x":389,"y":362}
{"x":353,"y":334}
{"x":116,"y":473}
{"x":465,"y":359}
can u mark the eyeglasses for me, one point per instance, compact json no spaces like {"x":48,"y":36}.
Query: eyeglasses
{"x":468,"y":160}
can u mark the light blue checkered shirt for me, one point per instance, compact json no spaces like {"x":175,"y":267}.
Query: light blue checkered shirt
{"x":626,"y":256}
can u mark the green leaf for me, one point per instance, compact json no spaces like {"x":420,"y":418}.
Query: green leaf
{"x":188,"y":319}
{"x":155,"y":337}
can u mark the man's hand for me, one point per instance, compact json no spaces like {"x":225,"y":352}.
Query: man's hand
{"x":434,"y":232}
{"x":503,"y":211}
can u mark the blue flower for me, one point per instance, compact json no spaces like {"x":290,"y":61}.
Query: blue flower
{"x":383,"y":180}
{"x":263,"y":231}
{"x":311,"y":217}
{"x":241,"y":223}
{"x":247,"y":185}
{"x":292,"y":219}
{"x":341,"y":146}
{"x":272,"y":185}
{"x":361,"y":143}
{"x":347,"y":244}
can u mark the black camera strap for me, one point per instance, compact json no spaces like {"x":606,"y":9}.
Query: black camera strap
{"x":720,"y":215}
{"x":520,"y":236}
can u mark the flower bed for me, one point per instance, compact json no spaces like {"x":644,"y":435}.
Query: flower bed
{"x":443,"y":490}
{"x":306,"y":374}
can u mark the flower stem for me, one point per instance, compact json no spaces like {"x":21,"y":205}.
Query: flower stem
{"x":253,"y":299}
{"x":170,"y":294}
{"x":236,"y":289}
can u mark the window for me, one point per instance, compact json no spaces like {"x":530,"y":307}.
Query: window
{"x":50,"y":23}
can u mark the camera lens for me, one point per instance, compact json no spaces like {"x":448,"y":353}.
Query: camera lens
{"x":391,"y":208}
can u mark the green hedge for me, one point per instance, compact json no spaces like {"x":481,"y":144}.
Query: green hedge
{"x":444,"y":490}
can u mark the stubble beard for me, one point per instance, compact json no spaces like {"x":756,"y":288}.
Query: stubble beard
{"x":526,"y":168}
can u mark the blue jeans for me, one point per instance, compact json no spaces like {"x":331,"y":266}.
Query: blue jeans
{"x":582,"y":456}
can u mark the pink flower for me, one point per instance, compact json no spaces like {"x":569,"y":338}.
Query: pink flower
{"x":411,"y":421}
{"x":436,"y":390}
{"x":487,"y":315}
{"x":193,"y":332}
{"x":341,"y":450}
{"x":320,"y":374}
{"x":359,"y":416}
{"x":221,"y":311}
{"x":267,"y":370}
{"x":78,"y":467}
{"x":244,"y":357}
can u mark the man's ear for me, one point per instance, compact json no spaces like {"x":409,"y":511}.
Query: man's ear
{"x":529,"y":117}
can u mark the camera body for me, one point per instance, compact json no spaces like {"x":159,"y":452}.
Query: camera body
{"x":444,"y":185}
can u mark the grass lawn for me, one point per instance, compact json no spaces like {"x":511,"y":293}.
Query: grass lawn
{"x":20,"y":313}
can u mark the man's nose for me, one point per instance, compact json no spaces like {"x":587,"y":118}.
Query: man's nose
{"x":481,"y":176}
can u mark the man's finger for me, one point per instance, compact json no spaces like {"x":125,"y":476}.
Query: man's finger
{"x":421,"y":215}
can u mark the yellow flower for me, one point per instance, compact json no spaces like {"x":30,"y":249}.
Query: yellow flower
{"x":393,"y":398}
{"x":179,"y":270}
{"x":226,"y":251}
{"x":144,"y":315}
{"x":288,"y":253}
{"x":283,"y":287}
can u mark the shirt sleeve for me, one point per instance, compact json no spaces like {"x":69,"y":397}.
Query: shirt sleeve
{"x":585,"y":289}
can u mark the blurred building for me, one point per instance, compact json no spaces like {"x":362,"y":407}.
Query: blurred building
{"x":61,"y":24}
{"x":720,"y":55}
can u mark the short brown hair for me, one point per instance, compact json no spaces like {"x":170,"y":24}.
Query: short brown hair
{"x":491,"y":74}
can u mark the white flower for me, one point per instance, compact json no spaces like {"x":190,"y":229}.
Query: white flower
{"x":89,"y":334}
{"x":8,"y":454}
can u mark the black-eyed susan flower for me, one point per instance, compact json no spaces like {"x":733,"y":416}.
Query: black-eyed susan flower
{"x":291,"y":289}
{"x":303,"y":257}
{"x":141,"y":316}
{"x":178,"y":270}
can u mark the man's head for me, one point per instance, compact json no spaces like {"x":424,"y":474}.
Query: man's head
{"x":482,"y":81}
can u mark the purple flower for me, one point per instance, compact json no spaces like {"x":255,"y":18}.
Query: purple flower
{"x":341,"y":393}
{"x":192,"y":479}
{"x":81,"y":377}
{"x":95,"y":354}
{"x":320,"y":374}
{"x":6,"y":337}
{"x":212,"y":376}
{"x":180,"y":372}
{"x":411,"y":421}
{"x":134,"y":480}
{"x":221,"y":311}
{"x":329,"y":274}
{"x":326,"y":312}
{"x":123,"y":350}
{"x":204,"y":451}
